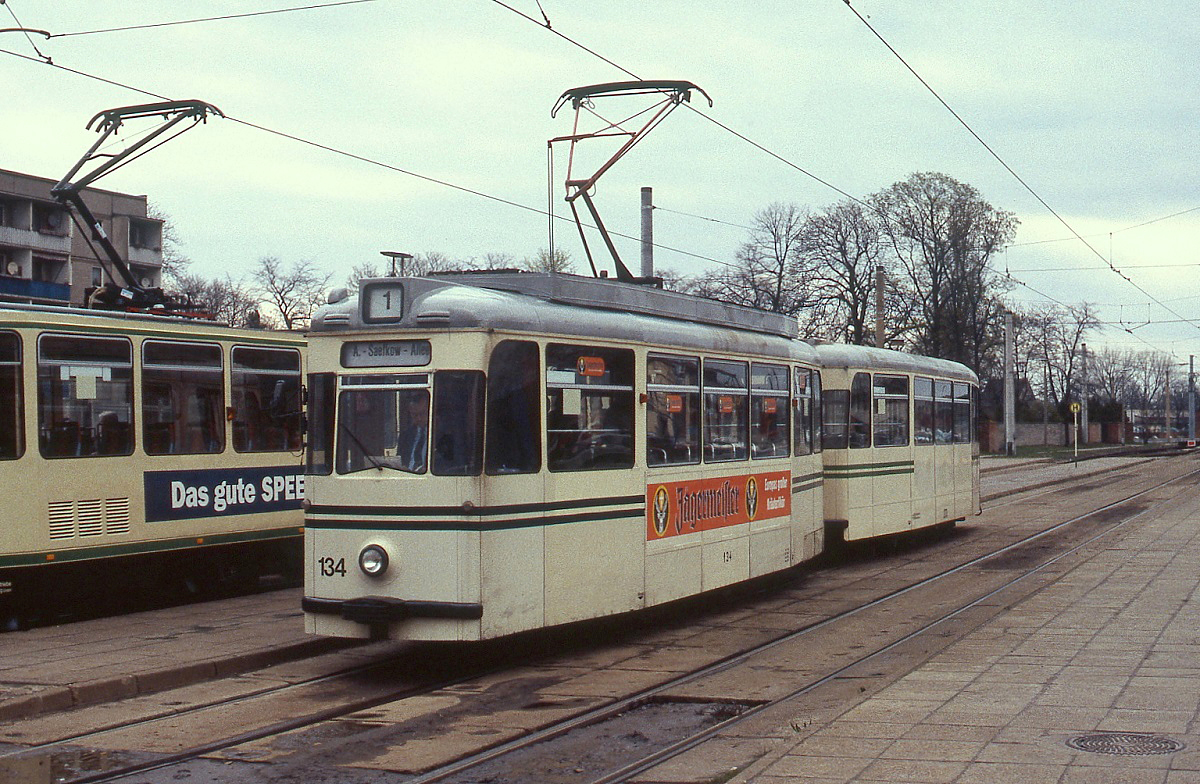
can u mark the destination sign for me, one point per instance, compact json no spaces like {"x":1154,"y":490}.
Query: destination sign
{"x":386,"y":353}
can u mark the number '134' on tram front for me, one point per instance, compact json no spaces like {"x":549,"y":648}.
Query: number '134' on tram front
{"x":498,"y":452}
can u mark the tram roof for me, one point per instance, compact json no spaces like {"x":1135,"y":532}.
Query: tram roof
{"x":577,"y":306}
{"x":118,"y":320}
{"x":841,"y":355}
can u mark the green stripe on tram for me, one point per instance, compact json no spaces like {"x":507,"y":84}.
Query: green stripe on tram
{"x":862,"y":470}
{"x":43,"y":558}
{"x":474,"y":525}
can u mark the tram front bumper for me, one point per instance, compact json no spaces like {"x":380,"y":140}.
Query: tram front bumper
{"x":384,"y":609}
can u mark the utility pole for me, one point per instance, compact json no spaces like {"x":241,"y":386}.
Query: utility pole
{"x":1010,"y":397}
{"x":647,"y":232}
{"x":879,"y":284}
{"x":1167,"y":402}
{"x":1192,"y":397}
{"x":1083,"y":416}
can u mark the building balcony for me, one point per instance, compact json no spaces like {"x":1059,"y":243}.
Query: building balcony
{"x":35,"y":240}
{"x":34,"y":289}
{"x":147,"y":257}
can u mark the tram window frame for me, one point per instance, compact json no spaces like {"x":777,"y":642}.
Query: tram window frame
{"x":802,"y":406}
{"x":589,"y":407}
{"x":322,"y":401}
{"x":891,"y":416}
{"x":12,"y":397}
{"x":323,"y":410}
{"x":858,"y":431}
{"x":277,"y":427}
{"x":962,"y":413}
{"x":726,"y":409}
{"x":923,"y":411}
{"x":513,"y":431}
{"x":673,"y":411}
{"x":835,"y":416}
{"x":181,"y":367}
{"x":770,"y":438}
{"x":458,"y":423}
{"x":395,"y":408}
{"x":818,"y":434}
{"x":943,"y":412}
{"x":95,"y":387}
{"x":974,"y":413}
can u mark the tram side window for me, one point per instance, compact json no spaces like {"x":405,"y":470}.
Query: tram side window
{"x":265,"y":386}
{"x":85,"y":396}
{"x":923,"y":410}
{"x":803,"y":404}
{"x":836,"y":413}
{"x":321,"y":395}
{"x":817,"y":397}
{"x":891,"y":410}
{"x":770,"y":411}
{"x":12,"y":417}
{"x":589,"y":414}
{"x":672,"y":410}
{"x":457,"y":422}
{"x":726,"y":411}
{"x":962,"y":413}
{"x":860,"y":411}
{"x":943,"y":412}
{"x":513,"y":437}
{"x":183,"y":398}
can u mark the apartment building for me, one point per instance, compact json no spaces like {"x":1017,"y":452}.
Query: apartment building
{"x":45,"y":258}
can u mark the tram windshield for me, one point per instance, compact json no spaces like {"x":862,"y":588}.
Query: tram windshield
{"x":383,"y":422}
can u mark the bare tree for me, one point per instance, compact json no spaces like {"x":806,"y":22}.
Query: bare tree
{"x":1051,"y":339}
{"x":359,"y":272}
{"x":943,"y":235}
{"x":175,"y":262}
{"x":226,"y":300}
{"x":545,"y":261}
{"x":291,"y":292}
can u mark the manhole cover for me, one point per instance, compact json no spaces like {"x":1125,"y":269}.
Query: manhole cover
{"x":1125,"y":743}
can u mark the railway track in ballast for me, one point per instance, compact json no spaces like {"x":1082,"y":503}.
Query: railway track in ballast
{"x":388,"y":717}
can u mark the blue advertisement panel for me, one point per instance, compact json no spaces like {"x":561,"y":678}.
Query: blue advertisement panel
{"x":179,"y":495}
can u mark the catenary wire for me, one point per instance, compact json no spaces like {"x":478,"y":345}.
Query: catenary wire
{"x":357,"y":157}
{"x":1010,"y":169}
{"x":224,"y":17}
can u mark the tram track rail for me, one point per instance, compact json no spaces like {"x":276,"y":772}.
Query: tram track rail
{"x":615,"y":707}
{"x":633,"y":769}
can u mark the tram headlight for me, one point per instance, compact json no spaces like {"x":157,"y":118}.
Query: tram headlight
{"x":373,"y":560}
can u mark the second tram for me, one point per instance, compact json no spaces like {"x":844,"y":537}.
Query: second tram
{"x":491,"y":453}
{"x":142,"y":455}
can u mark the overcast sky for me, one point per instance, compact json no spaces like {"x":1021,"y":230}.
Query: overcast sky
{"x":1096,"y":106}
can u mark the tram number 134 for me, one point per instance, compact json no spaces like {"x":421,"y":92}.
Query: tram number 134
{"x":331,"y":567}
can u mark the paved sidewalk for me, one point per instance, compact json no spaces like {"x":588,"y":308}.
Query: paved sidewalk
{"x":1102,"y":650}
{"x":60,"y":667}
{"x":57,"y":668}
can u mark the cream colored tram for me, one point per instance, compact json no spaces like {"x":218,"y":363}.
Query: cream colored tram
{"x":492,"y":453}
{"x":139,"y":452}
{"x":900,"y":444}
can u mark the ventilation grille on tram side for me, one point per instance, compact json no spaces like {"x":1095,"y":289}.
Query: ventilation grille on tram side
{"x":88,"y":518}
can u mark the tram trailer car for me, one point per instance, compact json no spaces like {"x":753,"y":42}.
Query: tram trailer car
{"x":495,"y":453}
{"x":900,"y":445}
{"x":141,"y":455}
